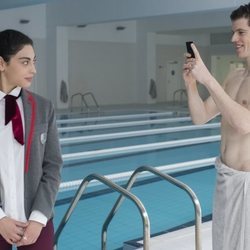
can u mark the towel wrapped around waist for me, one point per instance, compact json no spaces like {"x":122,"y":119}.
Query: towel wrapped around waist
{"x":231,"y":211}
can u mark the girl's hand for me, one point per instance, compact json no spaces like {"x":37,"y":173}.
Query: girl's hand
{"x":11,"y":230}
{"x":31,"y":233}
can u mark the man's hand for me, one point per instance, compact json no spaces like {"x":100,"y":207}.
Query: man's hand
{"x":11,"y":230}
{"x":31,"y":233}
{"x":196,"y":68}
{"x":187,"y":74}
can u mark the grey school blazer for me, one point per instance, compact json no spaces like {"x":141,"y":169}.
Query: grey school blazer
{"x":43,"y":159}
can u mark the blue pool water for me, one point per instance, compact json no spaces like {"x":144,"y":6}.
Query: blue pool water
{"x":108,"y":165}
{"x":167,"y":206}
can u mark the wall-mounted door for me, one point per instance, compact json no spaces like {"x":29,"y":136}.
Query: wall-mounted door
{"x":174,"y":79}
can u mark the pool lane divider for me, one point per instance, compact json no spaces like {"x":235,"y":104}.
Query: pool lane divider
{"x":117,"y":117}
{"x":138,"y":148}
{"x":122,"y":124}
{"x":170,"y":168}
{"x":120,"y":135}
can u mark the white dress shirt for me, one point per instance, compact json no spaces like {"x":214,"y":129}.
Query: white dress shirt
{"x":12,"y":168}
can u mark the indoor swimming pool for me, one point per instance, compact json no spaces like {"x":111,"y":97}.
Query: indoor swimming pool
{"x":120,"y":154}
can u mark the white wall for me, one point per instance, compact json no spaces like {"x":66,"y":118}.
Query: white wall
{"x":39,"y":84}
{"x":105,"y":68}
{"x":223,"y":64}
{"x":98,"y":58}
{"x":105,"y":32}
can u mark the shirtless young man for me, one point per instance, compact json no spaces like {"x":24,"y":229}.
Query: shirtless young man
{"x":231,"y":212}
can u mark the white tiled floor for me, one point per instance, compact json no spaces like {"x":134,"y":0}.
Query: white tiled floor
{"x":182,"y":239}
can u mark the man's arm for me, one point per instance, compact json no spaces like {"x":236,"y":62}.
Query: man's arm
{"x":235,"y":114}
{"x":200,"y":111}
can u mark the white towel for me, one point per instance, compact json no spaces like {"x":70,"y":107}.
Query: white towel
{"x":231,"y":212}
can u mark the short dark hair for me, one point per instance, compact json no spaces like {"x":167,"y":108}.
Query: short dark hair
{"x":12,"y":41}
{"x":242,"y":11}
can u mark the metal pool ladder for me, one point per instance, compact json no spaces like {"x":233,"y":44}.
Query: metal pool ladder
{"x":93,"y":98}
{"x":196,"y":203}
{"x":72,"y":98}
{"x":124,"y":193}
{"x":84,"y":101}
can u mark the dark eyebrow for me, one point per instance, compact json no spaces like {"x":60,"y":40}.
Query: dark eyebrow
{"x":237,"y":30}
{"x":26,"y":58}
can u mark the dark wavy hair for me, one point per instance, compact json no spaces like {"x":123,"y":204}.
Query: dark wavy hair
{"x":242,"y":11}
{"x":12,"y":41}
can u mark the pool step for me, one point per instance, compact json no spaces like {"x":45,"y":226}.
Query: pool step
{"x":182,"y":239}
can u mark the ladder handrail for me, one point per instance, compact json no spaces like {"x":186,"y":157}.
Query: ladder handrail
{"x":172,"y":180}
{"x":123,"y":192}
{"x":71,"y":100}
{"x":83,"y":100}
{"x":94,"y":99}
{"x":182,"y":92}
{"x":85,"y":103}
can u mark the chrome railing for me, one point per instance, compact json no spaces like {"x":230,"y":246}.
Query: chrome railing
{"x":124,"y":193}
{"x":182,"y":93}
{"x":170,"y":179}
{"x":93,"y":98}
{"x":84,"y":102}
{"x":72,"y":98}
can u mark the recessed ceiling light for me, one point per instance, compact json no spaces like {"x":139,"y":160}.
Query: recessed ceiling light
{"x":120,"y":28}
{"x":81,"y":25}
{"x":24,"y":21}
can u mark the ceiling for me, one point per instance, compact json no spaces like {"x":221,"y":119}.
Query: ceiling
{"x":8,"y":4}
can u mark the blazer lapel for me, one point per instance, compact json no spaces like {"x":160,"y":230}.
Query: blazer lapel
{"x":29,"y":108}
{"x":27,"y":115}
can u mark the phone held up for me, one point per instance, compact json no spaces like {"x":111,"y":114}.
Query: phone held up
{"x":189,"y":49}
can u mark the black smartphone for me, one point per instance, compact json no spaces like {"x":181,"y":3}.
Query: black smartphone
{"x":189,"y":49}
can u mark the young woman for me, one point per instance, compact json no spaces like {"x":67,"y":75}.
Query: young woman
{"x":30,"y":158}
